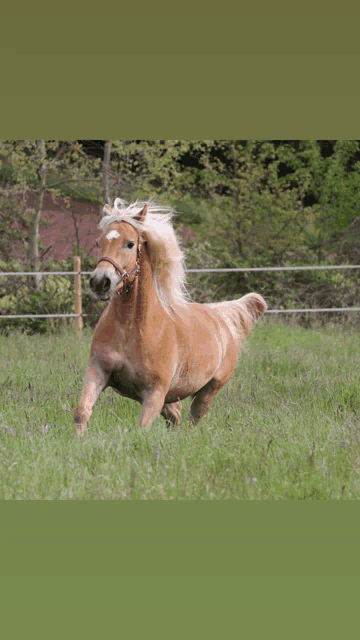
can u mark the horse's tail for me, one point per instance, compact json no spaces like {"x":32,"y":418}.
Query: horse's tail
{"x":241,"y":315}
{"x":249,"y":309}
{"x":255,"y":306}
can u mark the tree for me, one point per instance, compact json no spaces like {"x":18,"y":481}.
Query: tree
{"x":42,"y":167}
{"x":105,"y":173}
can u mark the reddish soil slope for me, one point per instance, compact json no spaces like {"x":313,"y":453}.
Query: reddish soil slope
{"x":63,"y":228}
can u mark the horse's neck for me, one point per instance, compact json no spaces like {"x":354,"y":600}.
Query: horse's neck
{"x":142,"y":301}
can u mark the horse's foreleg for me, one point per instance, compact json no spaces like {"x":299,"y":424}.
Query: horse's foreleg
{"x":95,"y":381}
{"x":152,"y":405}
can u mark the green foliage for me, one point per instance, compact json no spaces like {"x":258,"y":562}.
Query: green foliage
{"x":63,"y":161}
{"x":258,"y":216}
{"x":19,"y":297}
{"x":239,"y":204}
{"x":339,"y":202}
{"x":146,"y":166}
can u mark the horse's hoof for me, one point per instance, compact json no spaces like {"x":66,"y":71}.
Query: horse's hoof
{"x":80,"y":429}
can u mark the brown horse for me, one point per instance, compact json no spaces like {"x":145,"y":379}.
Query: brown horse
{"x":151,"y":344}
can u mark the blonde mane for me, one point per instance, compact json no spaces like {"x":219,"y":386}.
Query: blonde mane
{"x":166,"y":257}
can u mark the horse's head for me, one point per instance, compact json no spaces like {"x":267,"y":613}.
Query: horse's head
{"x":118,"y":264}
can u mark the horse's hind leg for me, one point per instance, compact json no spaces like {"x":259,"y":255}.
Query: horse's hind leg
{"x":172,"y":413}
{"x":202,"y":399}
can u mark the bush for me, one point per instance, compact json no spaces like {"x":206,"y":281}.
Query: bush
{"x":18,"y":296}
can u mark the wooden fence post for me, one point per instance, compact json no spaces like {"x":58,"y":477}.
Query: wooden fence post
{"x":78,"y":301}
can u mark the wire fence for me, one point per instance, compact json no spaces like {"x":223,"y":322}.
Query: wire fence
{"x":215,"y":270}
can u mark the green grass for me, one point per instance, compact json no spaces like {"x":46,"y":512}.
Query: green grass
{"x":286,"y":425}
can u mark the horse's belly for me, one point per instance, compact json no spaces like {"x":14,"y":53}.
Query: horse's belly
{"x":127,"y":384}
{"x":179,"y":393}
{"x":188,"y":383}
{"x":133,"y":381}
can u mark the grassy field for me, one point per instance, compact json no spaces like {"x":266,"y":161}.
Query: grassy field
{"x":286,"y":426}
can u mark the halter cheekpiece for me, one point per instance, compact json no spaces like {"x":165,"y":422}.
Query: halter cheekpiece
{"x":125,"y":275}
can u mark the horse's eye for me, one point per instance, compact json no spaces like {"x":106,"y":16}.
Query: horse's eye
{"x":130,"y":245}
{"x":96,"y":244}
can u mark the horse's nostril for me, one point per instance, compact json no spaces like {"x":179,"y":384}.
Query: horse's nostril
{"x":106,"y":284}
{"x":101,"y":285}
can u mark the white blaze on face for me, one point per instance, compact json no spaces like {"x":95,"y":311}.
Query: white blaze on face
{"x":112,"y":234}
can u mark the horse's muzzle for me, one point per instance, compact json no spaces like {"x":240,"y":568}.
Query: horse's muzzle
{"x":100,"y":285}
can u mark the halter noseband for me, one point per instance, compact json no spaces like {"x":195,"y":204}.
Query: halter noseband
{"x":125,"y":275}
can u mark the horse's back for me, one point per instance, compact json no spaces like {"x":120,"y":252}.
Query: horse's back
{"x":239,"y":316}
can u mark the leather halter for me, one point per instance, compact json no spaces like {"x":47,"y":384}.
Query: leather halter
{"x":125,"y":275}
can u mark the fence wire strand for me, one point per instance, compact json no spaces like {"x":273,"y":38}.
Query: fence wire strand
{"x":215,"y":270}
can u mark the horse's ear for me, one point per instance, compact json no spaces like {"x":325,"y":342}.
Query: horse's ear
{"x":107,"y":210}
{"x":140,"y":217}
